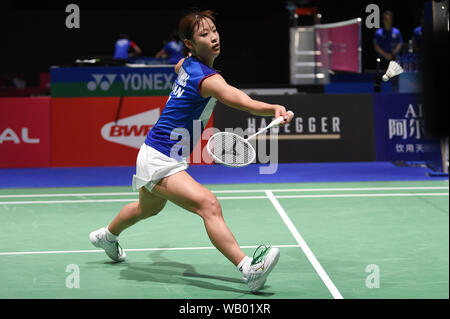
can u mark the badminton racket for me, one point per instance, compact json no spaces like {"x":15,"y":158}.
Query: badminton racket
{"x":233,"y":150}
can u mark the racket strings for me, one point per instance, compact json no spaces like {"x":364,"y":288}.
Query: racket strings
{"x":232,"y":149}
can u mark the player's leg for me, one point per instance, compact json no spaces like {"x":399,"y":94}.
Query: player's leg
{"x":184,"y":191}
{"x":107,"y":237}
{"x":147,"y":206}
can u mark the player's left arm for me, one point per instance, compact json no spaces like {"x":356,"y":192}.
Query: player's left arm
{"x":217,"y":87}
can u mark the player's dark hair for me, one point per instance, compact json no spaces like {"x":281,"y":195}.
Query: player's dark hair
{"x":190,"y":22}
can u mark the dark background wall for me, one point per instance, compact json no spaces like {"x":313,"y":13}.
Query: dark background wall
{"x":254,"y":34}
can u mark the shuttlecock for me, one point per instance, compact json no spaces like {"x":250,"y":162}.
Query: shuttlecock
{"x":393,"y":69}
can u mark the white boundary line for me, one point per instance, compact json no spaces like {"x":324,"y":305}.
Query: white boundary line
{"x":309,"y":254}
{"x":67,"y":195}
{"x":127,"y":250}
{"x":122,"y":200}
{"x":364,"y":195}
{"x":239,"y":191}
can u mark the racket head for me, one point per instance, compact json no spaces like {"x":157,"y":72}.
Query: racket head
{"x":230,"y":149}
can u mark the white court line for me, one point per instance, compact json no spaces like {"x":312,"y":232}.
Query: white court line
{"x":122,"y":200}
{"x":363,"y":195}
{"x":67,"y":195}
{"x":309,"y":254}
{"x":341,"y":189}
{"x":236,"y":191}
{"x":126,"y":250}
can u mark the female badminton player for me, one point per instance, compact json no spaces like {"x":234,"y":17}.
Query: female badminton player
{"x":160,"y":170}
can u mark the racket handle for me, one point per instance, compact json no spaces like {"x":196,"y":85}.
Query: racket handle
{"x":275,"y":122}
{"x":278,"y":120}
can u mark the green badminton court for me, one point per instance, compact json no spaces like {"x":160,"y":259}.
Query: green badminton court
{"x":371,"y":240}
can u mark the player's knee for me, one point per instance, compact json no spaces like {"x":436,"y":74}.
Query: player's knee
{"x":149,"y":211}
{"x":210,"y":207}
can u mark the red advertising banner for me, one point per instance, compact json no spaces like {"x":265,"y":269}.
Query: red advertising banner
{"x":25,"y":132}
{"x":85,"y":131}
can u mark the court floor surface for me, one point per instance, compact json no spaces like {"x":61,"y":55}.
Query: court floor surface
{"x":369,"y":240}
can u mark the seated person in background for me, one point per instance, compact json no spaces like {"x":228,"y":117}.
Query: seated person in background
{"x":387,"y":40}
{"x":122,"y":47}
{"x":173,"y":50}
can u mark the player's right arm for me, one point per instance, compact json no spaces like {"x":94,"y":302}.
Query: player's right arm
{"x":218,"y":88}
{"x":178,"y":66}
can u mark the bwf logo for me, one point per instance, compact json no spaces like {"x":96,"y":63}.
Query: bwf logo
{"x":132,"y":130}
{"x":103,"y":80}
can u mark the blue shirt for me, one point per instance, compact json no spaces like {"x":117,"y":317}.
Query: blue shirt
{"x":417,"y":36}
{"x":121,"y":48}
{"x":175,"y":51}
{"x":186,"y":112}
{"x":387,"y":40}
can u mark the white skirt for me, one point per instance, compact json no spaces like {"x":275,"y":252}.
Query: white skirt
{"x":152,"y":166}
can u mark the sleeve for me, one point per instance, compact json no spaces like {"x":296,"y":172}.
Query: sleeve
{"x":400,"y":39}
{"x":415,"y":35}
{"x":199,"y":74}
{"x":376,"y":38}
{"x":207,"y":72}
{"x":168,"y":48}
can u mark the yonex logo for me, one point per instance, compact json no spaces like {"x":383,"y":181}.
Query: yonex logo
{"x":132,"y":81}
{"x":104,"y":85}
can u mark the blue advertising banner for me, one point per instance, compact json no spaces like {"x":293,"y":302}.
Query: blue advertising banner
{"x":399,"y":129}
{"x":111,"y":81}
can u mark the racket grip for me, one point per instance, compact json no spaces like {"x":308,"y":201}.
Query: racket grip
{"x":278,"y":120}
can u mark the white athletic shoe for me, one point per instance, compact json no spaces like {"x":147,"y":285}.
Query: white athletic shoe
{"x":112,"y":249}
{"x":260,"y":268}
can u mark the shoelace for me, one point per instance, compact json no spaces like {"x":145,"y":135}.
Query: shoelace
{"x":119,"y":248}
{"x":260,"y":257}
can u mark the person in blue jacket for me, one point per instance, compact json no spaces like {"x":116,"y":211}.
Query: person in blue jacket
{"x":387,"y":40}
{"x":173,"y":50}
{"x":122,"y":48}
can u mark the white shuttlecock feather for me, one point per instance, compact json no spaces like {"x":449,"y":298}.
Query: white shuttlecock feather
{"x":393,"y":69}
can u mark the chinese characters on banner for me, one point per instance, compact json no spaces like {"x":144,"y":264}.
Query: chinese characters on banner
{"x":399,"y":129}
